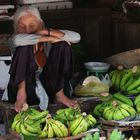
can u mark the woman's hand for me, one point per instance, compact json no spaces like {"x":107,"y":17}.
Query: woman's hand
{"x":50,"y":39}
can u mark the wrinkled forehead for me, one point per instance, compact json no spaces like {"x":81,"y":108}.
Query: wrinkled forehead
{"x":27,"y":16}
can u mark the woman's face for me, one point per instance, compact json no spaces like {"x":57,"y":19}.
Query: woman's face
{"x":28,"y":24}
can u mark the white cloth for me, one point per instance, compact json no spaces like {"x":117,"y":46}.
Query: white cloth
{"x":42,"y":95}
{"x":32,"y":39}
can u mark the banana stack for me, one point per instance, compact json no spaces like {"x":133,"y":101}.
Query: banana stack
{"x":81,"y":124}
{"x":126,"y":80}
{"x":117,"y":108}
{"x":29,"y":122}
{"x":67,"y":114}
{"x":41,"y":124}
{"x":53,"y":128}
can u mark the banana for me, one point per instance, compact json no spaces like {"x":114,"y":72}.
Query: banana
{"x":91,"y":120}
{"x":25,"y":132}
{"x":44,"y":133}
{"x":111,"y":73}
{"x":39,"y":116}
{"x":123,"y":98}
{"x":113,"y":78}
{"x":129,"y":82}
{"x":50,"y":131}
{"x":118,"y":79}
{"x":32,"y":129}
{"x":137,"y":100}
{"x":18,"y":116}
{"x":75,"y":123}
{"x":62,"y":127}
{"x":138,"y":108}
{"x":127,"y":75}
{"x":129,"y":109}
{"x":18,"y":125}
{"x":110,"y":114}
{"x":105,"y":114}
{"x":83,"y":126}
{"x":124,"y":112}
{"x":134,"y":91}
{"x":96,"y":110}
{"x":13,"y":126}
{"x":118,"y":115}
{"x":56,"y":129}
{"x":34,"y":111}
{"x":134,"y":85}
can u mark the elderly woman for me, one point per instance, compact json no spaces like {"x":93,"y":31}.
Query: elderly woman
{"x":42,"y":64}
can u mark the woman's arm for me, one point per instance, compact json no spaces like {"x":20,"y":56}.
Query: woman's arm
{"x":65,"y":35}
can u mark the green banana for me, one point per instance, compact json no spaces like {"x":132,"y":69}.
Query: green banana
{"x":118,"y":115}
{"x":34,"y":111}
{"x":134,"y":91}
{"x":91,"y":120}
{"x":44,"y":133}
{"x":61,"y":126}
{"x":96,"y":136}
{"x":123,"y":98}
{"x":39,"y":116}
{"x":129,"y":109}
{"x":14,"y":123}
{"x":138,"y":108}
{"x":110,"y":114}
{"x":137,"y":100}
{"x":75,"y":123}
{"x":129,"y":82}
{"x":111,"y":73}
{"x":124,"y":112}
{"x":25,"y":132}
{"x":113,"y":78}
{"x":50,"y":131}
{"x":83,"y":126}
{"x":56,"y":129}
{"x":18,"y":127}
{"x":18,"y":116}
{"x":127,"y":75}
{"x":32,"y":129}
{"x":96,"y":110}
{"x":134,"y":85}
{"x":118,"y":79}
{"x":105,"y":114}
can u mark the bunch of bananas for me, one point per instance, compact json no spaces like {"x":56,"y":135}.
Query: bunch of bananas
{"x":117,"y":108}
{"x":81,"y":123}
{"x":67,"y":114}
{"x":118,"y":111}
{"x":29,"y":122}
{"x":53,"y":128}
{"x":95,"y":136}
{"x":126,"y":79}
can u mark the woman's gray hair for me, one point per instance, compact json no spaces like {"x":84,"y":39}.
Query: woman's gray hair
{"x":21,"y":11}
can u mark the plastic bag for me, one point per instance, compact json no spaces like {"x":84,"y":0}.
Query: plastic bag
{"x":106,"y":80}
{"x":91,"y":90}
